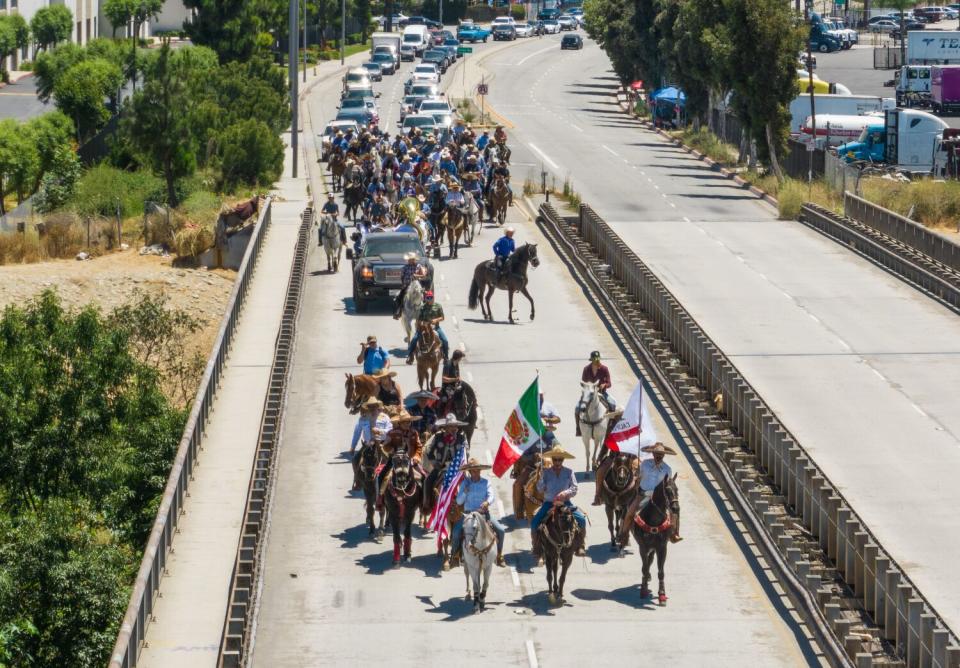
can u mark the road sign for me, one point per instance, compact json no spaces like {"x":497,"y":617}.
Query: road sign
{"x":464,"y":49}
{"x":482,"y":89}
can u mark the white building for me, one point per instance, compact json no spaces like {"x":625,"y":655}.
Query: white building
{"x":85,"y":20}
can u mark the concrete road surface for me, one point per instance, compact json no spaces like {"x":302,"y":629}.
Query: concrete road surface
{"x":859,"y":366}
{"x":330,"y":596}
{"x":19,"y":100}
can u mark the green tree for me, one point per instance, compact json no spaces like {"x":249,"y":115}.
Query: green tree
{"x":80,"y":92}
{"x":18,"y":159}
{"x":697,"y":58}
{"x":250,"y":153}
{"x":14,"y":35}
{"x":51,"y":25}
{"x":52,"y":132}
{"x":232,"y":28}
{"x":160,"y":124}
{"x":610,"y":23}
{"x":120,"y":13}
{"x":59,"y":181}
{"x":50,"y":65}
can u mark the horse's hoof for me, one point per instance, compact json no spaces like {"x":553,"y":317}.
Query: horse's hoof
{"x":663,"y":599}
{"x":446,"y":565}
{"x":614,"y":547}
{"x":396,"y":563}
{"x":552,"y":598}
{"x":645,"y":593}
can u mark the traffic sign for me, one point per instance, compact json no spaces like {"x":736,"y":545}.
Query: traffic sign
{"x":464,"y":49}
{"x":482,"y":89}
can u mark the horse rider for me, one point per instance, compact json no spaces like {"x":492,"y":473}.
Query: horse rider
{"x":475,"y":495}
{"x":432,"y":313}
{"x":558,"y":485}
{"x":471,"y":186}
{"x":499,"y":168}
{"x":388,"y":390}
{"x":550,"y":419}
{"x":597,"y":372}
{"x":502,"y":250}
{"x":372,"y":356}
{"x":455,"y":198}
{"x":405,"y":437}
{"x":449,"y":438}
{"x":426,"y":412}
{"x":500,"y":135}
{"x":331,"y":208}
{"x":371,"y":420}
{"x":447,"y":163}
{"x":653,"y":471}
{"x":483,"y":140}
{"x":379,"y":210}
{"x":451,"y":369}
{"x":411,"y":270}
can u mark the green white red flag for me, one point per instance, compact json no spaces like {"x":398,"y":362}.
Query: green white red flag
{"x":523,"y":429}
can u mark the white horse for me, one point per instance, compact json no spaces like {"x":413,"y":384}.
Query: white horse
{"x":479,"y":540}
{"x":472,"y":213}
{"x":412,"y":301}
{"x":330,"y":238}
{"x":593,"y":422}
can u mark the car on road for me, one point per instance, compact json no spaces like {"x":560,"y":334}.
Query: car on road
{"x":357,"y":76}
{"x":550,"y":27}
{"x":330,"y":131}
{"x":362,"y":103}
{"x":571,"y":41}
{"x":361,"y":115}
{"x":567,"y":22}
{"x":374,"y":70}
{"x":387,"y":64}
{"x":453,"y":43}
{"x":884,"y":25}
{"x":502,"y":20}
{"x":467,"y":31}
{"x":525,"y":29}
{"x":425,"y":90}
{"x":549,"y":13}
{"x":434,"y":105}
{"x":378,"y":267}
{"x":504,"y":32}
{"x":426,"y":123}
{"x":419,"y":21}
{"x":439,"y":58}
{"x":409,"y":104}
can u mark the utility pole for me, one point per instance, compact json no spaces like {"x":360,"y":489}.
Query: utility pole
{"x":304,"y":47}
{"x":293,"y":34}
{"x":440,"y":18}
{"x":813,"y":108}
{"x":343,"y":30}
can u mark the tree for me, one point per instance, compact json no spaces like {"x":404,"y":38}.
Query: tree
{"x":18,"y":159}
{"x":161,"y":122}
{"x":14,"y":35}
{"x":80,"y":93}
{"x":52,"y":132}
{"x":232,"y":27}
{"x":901,"y":6}
{"x":697,"y":56}
{"x":59,"y":180}
{"x":120,"y":13}
{"x":51,"y":25}
{"x":50,"y":65}
{"x":250,"y":153}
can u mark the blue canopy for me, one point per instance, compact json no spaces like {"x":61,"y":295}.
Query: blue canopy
{"x":670,"y":94}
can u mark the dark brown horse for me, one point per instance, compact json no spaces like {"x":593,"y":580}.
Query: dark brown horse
{"x":512,"y":279}
{"x":402,"y":497}
{"x":560,"y":538}
{"x":429,"y":354}
{"x":526,"y":474}
{"x":371,"y":457}
{"x":498,"y":200}
{"x":359,"y":388}
{"x":617,"y":489}
{"x":353,"y":194}
{"x":455,"y":224}
{"x":461,"y":400}
{"x":652,"y":528}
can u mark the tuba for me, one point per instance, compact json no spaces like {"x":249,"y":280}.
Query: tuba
{"x":409,"y":207}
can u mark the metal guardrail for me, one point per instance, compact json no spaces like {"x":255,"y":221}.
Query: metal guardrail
{"x":904,"y":618}
{"x":126,"y":650}
{"x":903,"y":229}
{"x":241,"y":608}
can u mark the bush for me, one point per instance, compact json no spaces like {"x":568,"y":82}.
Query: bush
{"x":791,"y":195}
{"x":931,"y":203}
{"x":481,"y":13}
{"x":518,"y":12}
{"x":26,"y":66}
{"x":250,"y":153}
{"x":100,"y":187}
{"x":60,"y":182}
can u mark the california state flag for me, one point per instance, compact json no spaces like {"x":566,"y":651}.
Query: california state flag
{"x":523,"y":429}
{"x":635,"y":429}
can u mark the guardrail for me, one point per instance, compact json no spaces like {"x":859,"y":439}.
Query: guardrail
{"x":126,"y":650}
{"x":903,"y":229}
{"x":903,"y":617}
{"x":241,"y":608}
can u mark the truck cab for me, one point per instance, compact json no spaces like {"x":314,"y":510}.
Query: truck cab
{"x":822,"y":38}
{"x":911,"y":139}
{"x":869,"y":146}
{"x":913,"y":86}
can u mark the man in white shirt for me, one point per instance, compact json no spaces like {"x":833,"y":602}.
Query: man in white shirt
{"x":652,"y":472}
{"x":372,"y":418}
{"x":476,"y":494}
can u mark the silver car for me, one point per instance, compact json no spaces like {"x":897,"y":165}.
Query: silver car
{"x":567,"y":22}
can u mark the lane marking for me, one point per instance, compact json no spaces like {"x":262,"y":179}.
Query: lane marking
{"x":671,"y":204}
{"x":919,"y":410}
{"x":455,"y":322}
{"x":544,"y":156}
{"x":844,"y":343}
{"x":536,"y":53}
{"x":576,"y":128}
{"x":686,"y":220}
{"x":532,"y":655}
{"x":515,"y":577}
{"x":486,"y":453}
{"x":655,"y":186}
{"x":609,"y":150}
{"x":878,"y":375}
{"x":463,"y":346}
{"x":500,"y":510}
{"x":469,"y":377}
{"x":810,"y":315}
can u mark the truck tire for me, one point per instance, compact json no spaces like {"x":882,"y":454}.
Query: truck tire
{"x":359,"y":304}
{"x":824,"y":48}
{"x":484,"y":40}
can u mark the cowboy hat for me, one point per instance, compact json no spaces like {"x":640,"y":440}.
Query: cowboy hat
{"x":409,"y":256}
{"x":421,"y":198}
{"x":372,"y":402}
{"x":469,"y":176}
{"x":330,"y":196}
{"x":404,"y":416}
{"x":385,"y":373}
{"x":556,"y":452}
{"x":436,"y":178}
{"x":658,"y":449}
{"x":473,"y":465}
{"x":422,"y":394}
{"x":509,"y":230}
{"x":455,"y":185}
{"x":450,"y":420}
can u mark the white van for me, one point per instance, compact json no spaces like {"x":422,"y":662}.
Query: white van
{"x":416,"y":36}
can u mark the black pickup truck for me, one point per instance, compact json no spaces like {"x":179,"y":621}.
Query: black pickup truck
{"x":376,"y":270}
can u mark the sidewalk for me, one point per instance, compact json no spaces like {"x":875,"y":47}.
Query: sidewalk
{"x":190,"y":610}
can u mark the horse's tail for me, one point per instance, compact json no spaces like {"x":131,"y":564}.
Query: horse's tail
{"x":474,"y":299}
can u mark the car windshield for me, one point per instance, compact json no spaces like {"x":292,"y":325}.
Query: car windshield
{"x":391,"y":245}
{"x":372,"y":66}
{"x":382,"y":57}
{"x":425,"y":69}
{"x":423,"y":91}
{"x":412,"y":38}
{"x":353,"y":103}
{"x":551,"y":22}
{"x":435,"y":106}
{"x":418,"y":121}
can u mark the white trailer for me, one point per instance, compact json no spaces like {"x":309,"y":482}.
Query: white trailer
{"x":933,"y":47}
{"x":391,"y":39}
{"x":835,"y":105}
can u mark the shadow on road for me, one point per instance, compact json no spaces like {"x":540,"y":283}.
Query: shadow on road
{"x":600,"y":552}
{"x":352,"y":537}
{"x":629,"y":596}
{"x":727,"y":197}
{"x":538,"y":603}
{"x":454,"y":608}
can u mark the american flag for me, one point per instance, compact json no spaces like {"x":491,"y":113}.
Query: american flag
{"x":451,"y":482}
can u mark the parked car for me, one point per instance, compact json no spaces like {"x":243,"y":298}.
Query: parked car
{"x":373,"y":69}
{"x":377,"y":269}
{"x":330,"y":131}
{"x":884,"y":25}
{"x":504,"y":31}
{"x":419,"y":21}
{"x":571,"y":41}
{"x":567,"y":22}
{"x":935,"y":14}
{"x":550,"y":27}
{"x":551,"y":13}
{"x":387,"y":64}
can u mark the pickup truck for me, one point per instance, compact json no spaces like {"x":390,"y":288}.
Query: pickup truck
{"x":472,"y":33}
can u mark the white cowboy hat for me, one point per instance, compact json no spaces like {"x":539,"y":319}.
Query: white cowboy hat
{"x":409,"y":256}
{"x":450,"y":420}
{"x":372,"y":402}
{"x":436,"y":178}
{"x":384,"y":373}
{"x":404,"y":416}
{"x":422,"y":394}
{"x":509,"y":230}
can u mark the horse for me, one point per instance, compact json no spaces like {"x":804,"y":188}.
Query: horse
{"x":652,"y":528}
{"x":526,"y":474}
{"x":473,"y":212}
{"x":403,"y":496}
{"x":429,"y":354}
{"x":560,"y":537}
{"x":359,"y":388}
{"x":437,"y":211}
{"x":431,"y":492}
{"x":330,"y":240}
{"x":353,"y":196}
{"x":455,"y":224}
{"x":513,"y":279}
{"x":479,"y":540}
{"x":337,"y":164}
{"x":389,"y":186}
{"x":371,"y":458}
{"x":499,"y":199}
{"x":461,"y":400}
{"x":593,"y":421}
{"x":617,"y":489}
{"x":412,"y":301}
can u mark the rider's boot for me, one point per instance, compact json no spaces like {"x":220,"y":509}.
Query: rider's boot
{"x":410,"y":359}
{"x":535,"y":549}
{"x":396,"y":553}
{"x":500,"y":560}
{"x":601,"y":474}
{"x":675,"y":536}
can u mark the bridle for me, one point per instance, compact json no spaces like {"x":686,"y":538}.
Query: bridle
{"x":567,"y":536}
{"x":667,"y":521}
{"x":583,"y":406}
{"x":617,"y":468}
{"x":479,"y":551}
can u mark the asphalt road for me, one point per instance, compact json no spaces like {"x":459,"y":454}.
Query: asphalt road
{"x":859,"y":366}
{"x":19,"y":100}
{"x":329,"y":595}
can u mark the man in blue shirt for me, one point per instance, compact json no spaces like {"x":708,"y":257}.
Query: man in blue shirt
{"x":558,"y":485}
{"x":502,"y":249}
{"x":484,"y":140}
{"x":476,"y":495}
{"x":373,"y":357}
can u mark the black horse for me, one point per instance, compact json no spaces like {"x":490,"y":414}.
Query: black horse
{"x":513,"y":279}
{"x":652,"y":528}
{"x":403,"y":497}
{"x":560,"y":537}
{"x":371,"y":456}
{"x":461,"y":400}
{"x":353,"y":195}
{"x":617,"y":489}
{"x":438,"y":206}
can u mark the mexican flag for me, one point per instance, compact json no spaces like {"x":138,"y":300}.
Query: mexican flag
{"x":522,"y":430}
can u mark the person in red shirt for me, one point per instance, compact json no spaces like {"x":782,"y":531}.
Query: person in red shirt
{"x":597,"y":372}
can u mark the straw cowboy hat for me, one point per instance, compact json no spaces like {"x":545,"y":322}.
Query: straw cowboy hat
{"x":658,"y":449}
{"x":404,"y":416}
{"x":556,"y":452}
{"x":372,"y":402}
{"x":450,"y":420}
{"x":474,"y":465}
{"x":384,"y":373}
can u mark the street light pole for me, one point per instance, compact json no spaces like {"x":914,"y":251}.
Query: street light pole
{"x":440,"y":5}
{"x":293,"y":35}
{"x":304,"y":47}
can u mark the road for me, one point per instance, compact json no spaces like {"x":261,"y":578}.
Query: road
{"x":859,"y":366}
{"x":19,"y":100}
{"x":329,"y":594}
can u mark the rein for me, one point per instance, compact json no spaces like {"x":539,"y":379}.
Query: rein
{"x":626,"y":487}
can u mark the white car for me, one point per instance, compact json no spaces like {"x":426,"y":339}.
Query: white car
{"x":550,"y":27}
{"x":567,"y":22}
{"x":434,"y":106}
{"x":426,"y":72}
{"x":524,"y":29}
{"x":502,"y":20}
{"x":330,"y":131}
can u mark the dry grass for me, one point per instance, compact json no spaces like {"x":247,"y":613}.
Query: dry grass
{"x":709,"y":144}
{"x":191,"y":241}
{"x":931,"y":203}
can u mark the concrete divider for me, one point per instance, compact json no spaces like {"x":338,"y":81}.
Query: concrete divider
{"x":919,"y":635}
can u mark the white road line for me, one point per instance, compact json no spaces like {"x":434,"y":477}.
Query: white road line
{"x":686,"y":220}
{"x":489,"y":457}
{"x":479,"y":414}
{"x":843,"y":343}
{"x":672,"y":204}
{"x":812,"y":317}
{"x":576,"y":128}
{"x":456,"y":323}
{"x":515,"y":577}
{"x":443,"y":279}
{"x":532,"y":655}
{"x":919,"y":410}
{"x":463,"y":346}
{"x":535,"y":53}
{"x":740,"y":258}
{"x":655,"y":186}
{"x":609,"y":150}
{"x":642,"y":173}
{"x":500,"y":511}
{"x":878,"y":375}
{"x":544,"y":156}
{"x":469,"y":377}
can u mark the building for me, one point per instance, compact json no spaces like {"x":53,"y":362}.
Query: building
{"x":85,"y":21}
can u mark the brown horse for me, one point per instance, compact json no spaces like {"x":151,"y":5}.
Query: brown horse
{"x":526,"y":498}
{"x":337,"y":164}
{"x":403,"y":496}
{"x":560,"y":538}
{"x":455,"y":225}
{"x":371,"y":457}
{"x":652,"y":528}
{"x":499,"y":198}
{"x":512,"y":279}
{"x":429,"y":354}
{"x":617,"y":490}
{"x":359,"y":388}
